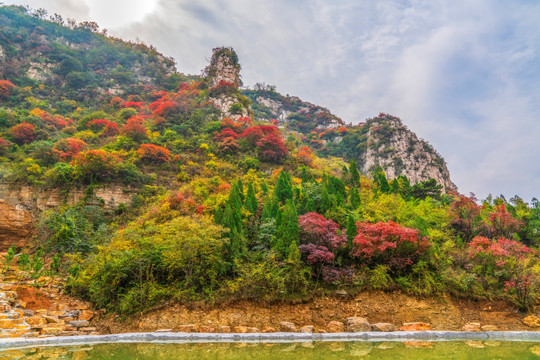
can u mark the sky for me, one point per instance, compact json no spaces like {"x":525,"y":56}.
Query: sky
{"x":464,"y":75}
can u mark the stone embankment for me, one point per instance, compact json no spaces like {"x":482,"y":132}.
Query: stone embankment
{"x":42,"y":314}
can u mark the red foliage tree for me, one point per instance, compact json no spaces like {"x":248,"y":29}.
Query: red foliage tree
{"x":502,"y":223}
{"x":23,"y":133}
{"x":316,"y":229}
{"x":66,"y":149}
{"x":134,"y":128}
{"x":388,"y":243}
{"x":466,"y":218}
{"x":134,"y":104}
{"x":272,"y":149}
{"x":153,"y":153}
{"x":305,"y":156}
{"x":227,"y":133}
{"x":316,"y":255}
{"x":4,"y":146}
{"x":5,"y":88}
{"x":497,"y":250}
{"x":107,"y":128}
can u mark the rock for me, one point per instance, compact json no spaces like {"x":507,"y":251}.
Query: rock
{"x":88,"y":329}
{"x":7,"y":324}
{"x":28,"y":312}
{"x":253,"y":330}
{"x":225,"y":329}
{"x":187,"y":328}
{"x":86,"y":315}
{"x":490,"y":328}
{"x":341,"y":292}
{"x":415,"y":326}
{"x":384,"y":327}
{"x":472,"y":326}
{"x":51,"y":330}
{"x":206,"y":329}
{"x":307,"y":329}
{"x":269,"y":329}
{"x":52,"y":319}
{"x":240,"y":329}
{"x":163,"y":330}
{"x":531,"y":321}
{"x":36,"y":320}
{"x":358,"y":324}
{"x":335,"y":326}
{"x":79,"y":323}
{"x":287,"y":326}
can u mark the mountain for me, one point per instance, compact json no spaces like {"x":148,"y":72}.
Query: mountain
{"x":144,"y":186}
{"x":380,"y":141}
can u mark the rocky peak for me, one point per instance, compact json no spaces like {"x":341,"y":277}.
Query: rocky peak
{"x":399,"y":151}
{"x":224,"y":67}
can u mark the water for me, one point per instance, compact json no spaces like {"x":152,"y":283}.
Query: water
{"x":476,"y":350}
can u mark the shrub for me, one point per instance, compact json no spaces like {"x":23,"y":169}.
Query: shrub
{"x":96,"y":165}
{"x":23,"y":133}
{"x":389,"y":244}
{"x":67,"y":148}
{"x":316,"y":229}
{"x":153,"y":153}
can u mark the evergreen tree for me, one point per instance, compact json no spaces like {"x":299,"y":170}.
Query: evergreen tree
{"x":304,"y":175}
{"x":264,"y":187}
{"x":288,"y":230}
{"x":380,"y":179}
{"x":354,"y":198}
{"x":283,"y":190}
{"x":251,"y":201}
{"x":352,"y":231}
{"x":353,"y":172}
{"x":240,"y":187}
{"x":326,"y":202}
{"x":267,"y":210}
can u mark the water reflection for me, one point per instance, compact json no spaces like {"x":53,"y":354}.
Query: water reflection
{"x":301,"y":350}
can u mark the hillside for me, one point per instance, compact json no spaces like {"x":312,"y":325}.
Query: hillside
{"x":380,"y":141}
{"x":140,"y":187}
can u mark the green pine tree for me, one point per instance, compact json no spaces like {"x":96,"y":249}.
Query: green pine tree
{"x":351,"y":232}
{"x":283,"y":190}
{"x":251,"y":200}
{"x":353,"y":172}
{"x":354,"y":198}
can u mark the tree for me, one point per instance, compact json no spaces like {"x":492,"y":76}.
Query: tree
{"x":153,"y":153}
{"x":423,"y":189}
{"x":353,"y":172}
{"x":379,"y":178}
{"x":272,"y":149}
{"x":389,"y":244}
{"x":316,"y":229}
{"x":23,"y":133}
{"x":251,"y":200}
{"x":134,"y":128}
{"x":288,"y":228}
{"x":354,"y":198}
{"x":466,"y":217}
{"x":67,"y":148}
{"x":351,"y":232}
{"x":283,"y":190}
{"x":6,"y":88}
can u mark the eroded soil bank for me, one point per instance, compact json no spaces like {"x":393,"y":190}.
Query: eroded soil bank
{"x":443,"y":313}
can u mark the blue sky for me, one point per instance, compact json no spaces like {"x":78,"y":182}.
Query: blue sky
{"x":464,"y":75}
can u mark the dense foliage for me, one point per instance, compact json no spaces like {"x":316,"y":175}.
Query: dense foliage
{"x":227,"y":207}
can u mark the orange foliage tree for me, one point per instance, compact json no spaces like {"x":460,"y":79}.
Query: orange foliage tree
{"x":153,"y":153}
{"x":23,"y":133}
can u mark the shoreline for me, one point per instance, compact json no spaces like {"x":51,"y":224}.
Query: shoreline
{"x":181,"y":337}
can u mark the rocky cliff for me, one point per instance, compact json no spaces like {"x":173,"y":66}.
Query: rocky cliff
{"x":20,"y":207}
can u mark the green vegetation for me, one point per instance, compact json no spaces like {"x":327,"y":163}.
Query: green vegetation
{"x":227,"y":208}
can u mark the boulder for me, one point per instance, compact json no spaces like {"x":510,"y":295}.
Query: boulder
{"x":384,"y":327}
{"x":79,"y":323}
{"x":86,"y":315}
{"x":358,"y":324}
{"x":240,"y":329}
{"x":225,"y":329}
{"x":531,"y":321}
{"x":472,"y":326}
{"x":287,"y":326}
{"x":188,"y":328}
{"x":307,"y":329}
{"x":206,"y":329}
{"x":335,"y":326}
{"x":269,"y":329}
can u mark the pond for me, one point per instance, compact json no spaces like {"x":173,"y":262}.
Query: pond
{"x":473,"y":349}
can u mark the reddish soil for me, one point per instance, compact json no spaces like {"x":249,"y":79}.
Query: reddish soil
{"x":34,"y":298}
{"x":442,"y":313}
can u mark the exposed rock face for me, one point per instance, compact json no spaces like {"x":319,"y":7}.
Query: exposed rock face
{"x":395,"y":148}
{"x":226,"y":69}
{"x":20,"y":205}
